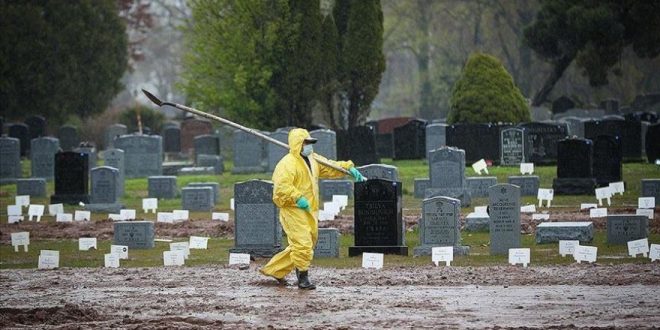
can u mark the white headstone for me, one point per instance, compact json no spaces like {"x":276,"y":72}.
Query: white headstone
{"x":598,"y":212}
{"x":326,"y":215}
{"x":331,"y":207}
{"x":617,"y":187}
{"x":519,"y":256}
{"x":442,"y":254}
{"x":585,"y":253}
{"x":646,"y":203}
{"x":604,"y":193}
{"x":14,"y":213}
{"x":181,"y":246}
{"x":531,"y":208}
{"x":20,"y":238}
{"x":638,"y":246}
{"x":64,"y":217}
{"x":220,"y":216}
{"x":181,"y":215}
{"x":526,"y":168}
{"x":654,"y":252}
{"x":647,"y":212}
{"x":239,"y":258}
{"x":35,"y":210}
{"x":22,"y":200}
{"x":372,"y":260}
{"x":49,"y":261}
{"x":120,"y":250}
{"x":150,"y":204}
{"x":116,"y":217}
{"x":174,"y":258}
{"x":54,"y":209}
{"x":86,"y":243}
{"x":480,"y":166}
{"x":540,"y":216}
{"x":82,"y":215}
{"x":341,"y":200}
{"x":127,"y":214}
{"x":545,"y":194}
{"x":197,"y":242}
{"x":165,"y":217}
{"x":481,"y":210}
{"x":567,"y":247}
{"x":53,"y":253}
{"x":111,"y":260}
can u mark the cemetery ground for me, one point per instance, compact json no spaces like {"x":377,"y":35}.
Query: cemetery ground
{"x":478,"y":291}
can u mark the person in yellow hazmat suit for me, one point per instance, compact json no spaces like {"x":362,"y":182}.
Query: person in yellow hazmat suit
{"x":296,"y":193}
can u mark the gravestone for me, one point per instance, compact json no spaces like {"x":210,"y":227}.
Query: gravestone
{"x":103,"y":194}
{"x":477,"y":140}
{"x":197,"y":198}
{"x":384,"y":145}
{"x":652,"y":140}
{"x":68,"y":136}
{"x":206,"y":144}
{"x":624,"y":228}
{"x":420,"y":186}
{"x":435,"y":137}
{"x":629,"y":131}
{"x":327,"y":143}
{"x":190,"y":128}
{"x":215,"y":161}
{"x":357,"y":144}
{"x":88,"y":149}
{"x":542,"y":139}
{"x":379,"y":171}
{"x":22,"y":133}
{"x":575,"y":126}
{"x":504,"y":211}
{"x":409,"y":140}
{"x":651,"y":188}
{"x":387,"y":125}
{"x":115,"y":158}
{"x":529,"y":184}
{"x":71,"y":178}
{"x":257,"y":229}
{"x":478,"y":185}
{"x":172,"y":139}
{"x":143,"y":155}
{"x":10,"y":159}
{"x":327,"y":188}
{"x":275,"y":152}
{"x":562,"y":104}
{"x":477,"y":222}
{"x":512,"y":142}
{"x":378,"y":218}
{"x":162,"y":186}
{"x":112,"y":132}
{"x":34,"y":187}
{"x":553,"y":232}
{"x":608,"y":157}
{"x":327,"y":245}
{"x":213,"y":185}
{"x":447,"y":171}
{"x":134,"y":234}
{"x":37,"y":126}
{"x":574,"y":168}
{"x":440,"y":226}
{"x":249,"y":153}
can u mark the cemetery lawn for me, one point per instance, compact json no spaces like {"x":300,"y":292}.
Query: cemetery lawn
{"x":52,"y":236}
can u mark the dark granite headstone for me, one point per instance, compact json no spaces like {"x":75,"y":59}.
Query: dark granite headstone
{"x":115,"y":158}
{"x":213,"y":185}
{"x":249,"y":152}
{"x":553,"y":232}
{"x":512,"y":142}
{"x":206,"y":145}
{"x":34,"y":187}
{"x":112,"y":132}
{"x":378,"y":218}
{"x":327,"y":143}
{"x":357,"y":144}
{"x":134,"y":234}
{"x":624,"y":228}
{"x":440,"y":226}
{"x":630,"y":133}
{"x":652,"y":140}
{"x":162,"y":186}
{"x":420,"y":186}
{"x":328,"y":243}
{"x":327,"y":188}
{"x":542,"y":139}
{"x":379,"y":171}
{"x":71,"y":178}
{"x":529,"y":184}
{"x":575,"y":126}
{"x":215,"y":161}
{"x":103,"y":195}
{"x":275,"y":152}
{"x":68,"y":136}
{"x":409,"y":140}
{"x":436,"y":137}
{"x":37,"y":126}
{"x":258,"y":230}
{"x":90,"y":150}
{"x":651,"y":188}
{"x":478,"y":140}
{"x":143,"y":155}
{"x":574,"y":168}
{"x":171,"y":139}
{"x":22,"y":133}
{"x":197,"y":198}
{"x":504,"y":211}
{"x":608,"y":158}
{"x":384,"y":145}
{"x":190,"y":128}
{"x":10,"y":159}
{"x":42,"y":157}
{"x":478,"y":185}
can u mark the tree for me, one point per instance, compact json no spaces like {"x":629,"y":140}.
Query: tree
{"x":60,"y":57}
{"x":485,"y":93}
{"x":330,"y":56}
{"x":593,"y":34}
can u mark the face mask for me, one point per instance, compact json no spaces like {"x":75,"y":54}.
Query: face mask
{"x":307,"y":150}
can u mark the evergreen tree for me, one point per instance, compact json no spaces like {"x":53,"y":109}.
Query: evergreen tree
{"x":330,"y":55}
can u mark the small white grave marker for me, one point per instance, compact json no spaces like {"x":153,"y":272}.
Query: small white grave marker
{"x":331,"y":207}
{"x":586,"y":206}
{"x":480,"y":166}
{"x":341,"y":200}
{"x":519,"y":256}
{"x":567,"y":247}
{"x":617,"y":187}
{"x":23,"y":200}
{"x":48,"y":261}
{"x":326,"y":215}
{"x":86,"y":243}
{"x":111,"y":260}
{"x":64,"y":217}
{"x":55,"y":209}
{"x":654,"y":252}
{"x":545,"y":194}
{"x":604,"y":193}
{"x":165,"y":217}
{"x":540,"y":216}
{"x":120,"y":250}
{"x":638,"y":246}
{"x":372,"y":260}
{"x":35,"y":210}
{"x":14,"y":213}
{"x":82,"y":216}
{"x":481,"y":210}
{"x":181,"y":246}
{"x":531,"y":208}
{"x":239,"y":259}
{"x":442,"y":254}
{"x":115,"y":217}
{"x":150,"y":204}
{"x":174,"y":258}
{"x":598,"y":212}
{"x":526,"y":168}
{"x":647,"y":212}
{"x":231,"y":204}
{"x":20,"y":238}
{"x":585,"y":253}
{"x":127,"y":214}
{"x":180,"y":215}
{"x":50,"y":253}
{"x":646,"y":203}
{"x":197,"y":242}
{"x":220,"y":216}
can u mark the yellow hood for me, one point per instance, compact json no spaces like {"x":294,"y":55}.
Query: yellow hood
{"x":296,"y":138}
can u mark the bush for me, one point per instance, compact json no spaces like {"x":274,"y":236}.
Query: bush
{"x":485,"y":93}
{"x":149,"y":117}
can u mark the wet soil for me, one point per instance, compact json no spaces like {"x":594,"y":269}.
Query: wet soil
{"x":560,"y":297}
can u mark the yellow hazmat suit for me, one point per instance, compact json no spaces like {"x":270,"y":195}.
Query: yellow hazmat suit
{"x":293,"y":178}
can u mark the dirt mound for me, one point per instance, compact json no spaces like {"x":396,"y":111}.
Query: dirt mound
{"x":58,"y":315}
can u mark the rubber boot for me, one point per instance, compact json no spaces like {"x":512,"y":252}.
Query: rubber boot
{"x":303,"y":281}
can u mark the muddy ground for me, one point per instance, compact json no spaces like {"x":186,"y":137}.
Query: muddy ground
{"x":575,"y":296}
